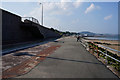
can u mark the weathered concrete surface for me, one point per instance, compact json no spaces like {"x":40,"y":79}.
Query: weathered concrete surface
{"x":71,"y":60}
{"x":22,"y":61}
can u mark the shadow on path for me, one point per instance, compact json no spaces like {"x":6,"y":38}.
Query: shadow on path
{"x":74,"y":60}
{"x":27,"y":54}
{"x":23,"y":54}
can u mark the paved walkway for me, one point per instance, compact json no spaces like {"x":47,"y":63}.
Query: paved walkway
{"x":71,"y":60}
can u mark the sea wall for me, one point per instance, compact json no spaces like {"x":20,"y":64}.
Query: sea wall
{"x":46,"y":32}
{"x":15,"y":31}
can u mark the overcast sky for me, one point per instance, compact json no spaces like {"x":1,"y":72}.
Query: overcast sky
{"x":98,"y":17}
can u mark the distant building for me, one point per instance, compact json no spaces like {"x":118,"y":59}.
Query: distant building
{"x":85,"y":35}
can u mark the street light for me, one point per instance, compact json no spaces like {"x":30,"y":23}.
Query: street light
{"x":42,"y":14}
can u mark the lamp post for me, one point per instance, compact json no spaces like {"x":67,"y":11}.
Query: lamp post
{"x":42,"y":14}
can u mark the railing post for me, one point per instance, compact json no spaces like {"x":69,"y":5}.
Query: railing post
{"x":92,"y":49}
{"x":106,"y":56}
{"x":32,"y":19}
{"x":89,"y":47}
{"x":97,"y":53}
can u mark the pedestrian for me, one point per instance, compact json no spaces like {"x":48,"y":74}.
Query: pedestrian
{"x":78,"y":38}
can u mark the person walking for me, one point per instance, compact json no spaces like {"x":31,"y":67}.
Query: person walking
{"x":78,"y":38}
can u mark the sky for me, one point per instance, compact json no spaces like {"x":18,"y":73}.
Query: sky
{"x":98,"y":17}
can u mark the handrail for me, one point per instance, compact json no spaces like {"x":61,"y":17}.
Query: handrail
{"x":109,"y":48}
{"x":109,"y":56}
{"x":30,"y":19}
{"x":101,"y":51}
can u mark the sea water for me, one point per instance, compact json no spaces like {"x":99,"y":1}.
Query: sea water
{"x":104,"y":38}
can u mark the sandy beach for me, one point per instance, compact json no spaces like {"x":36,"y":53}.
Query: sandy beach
{"x":113,"y":43}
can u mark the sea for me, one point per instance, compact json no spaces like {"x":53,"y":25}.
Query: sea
{"x":104,"y":38}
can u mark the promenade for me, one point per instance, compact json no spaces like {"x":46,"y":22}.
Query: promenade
{"x":71,"y":60}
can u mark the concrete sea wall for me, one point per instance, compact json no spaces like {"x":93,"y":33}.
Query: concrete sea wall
{"x":15,"y":31}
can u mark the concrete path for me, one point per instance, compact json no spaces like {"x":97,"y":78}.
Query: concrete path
{"x":71,"y":60}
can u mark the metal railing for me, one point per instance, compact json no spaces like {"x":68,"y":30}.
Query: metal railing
{"x":109,"y":48}
{"x":109,"y":56}
{"x":86,"y":45}
{"x":30,"y":19}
